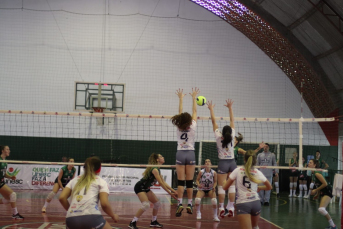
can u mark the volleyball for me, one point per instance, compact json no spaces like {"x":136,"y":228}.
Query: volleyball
{"x":201,"y":100}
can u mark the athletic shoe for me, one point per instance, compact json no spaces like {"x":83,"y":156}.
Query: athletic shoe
{"x":306,"y":197}
{"x":155,"y":224}
{"x":329,"y":227}
{"x":226,"y":212}
{"x":132,"y":225}
{"x":266,"y":203}
{"x":300,"y":196}
{"x":290,"y":195}
{"x":278,"y":195}
{"x":231,"y":212}
{"x":190,"y":209}
{"x":179,"y":210}
{"x":43,"y":209}
{"x":221,"y":212}
{"x":198,"y":215}
{"x":216,"y":219}
{"x":17,"y":216}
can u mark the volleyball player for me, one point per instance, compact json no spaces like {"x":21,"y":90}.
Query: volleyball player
{"x":66,"y":174}
{"x":322,"y":189}
{"x":293,"y":178}
{"x":207,"y":183}
{"x":86,"y":191}
{"x":276,"y":180}
{"x":5,"y":191}
{"x":226,"y":163}
{"x":248,"y":202}
{"x":322,"y":165}
{"x":303,"y":181}
{"x":185,"y":156}
{"x":151,"y":175}
{"x":241,"y":151}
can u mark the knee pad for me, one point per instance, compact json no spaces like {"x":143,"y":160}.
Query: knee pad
{"x":189,"y":183}
{"x":232,"y":189}
{"x":13,"y":197}
{"x":276,"y":184}
{"x":145,"y":205}
{"x":214,"y":201}
{"x":295,"y":184}
{"x":197,"y":200}
{"x":322,"y":211}
{"x":157,"y":205}
{"x":311,"y":185}
{"x":181,"y":183}
{"x":291,"y":185}
{"x":51,"y":195}
{"x":221,"y":190}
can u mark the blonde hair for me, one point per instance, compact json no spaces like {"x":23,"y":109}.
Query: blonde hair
{"x":152,"y":161}
{"x":250,"y":161}
{"x":91,"y":165}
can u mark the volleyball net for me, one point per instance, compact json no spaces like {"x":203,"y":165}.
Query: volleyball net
{"x":123,"y":139}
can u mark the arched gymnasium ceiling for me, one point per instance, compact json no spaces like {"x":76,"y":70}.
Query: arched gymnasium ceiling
{"x":303,"y":37}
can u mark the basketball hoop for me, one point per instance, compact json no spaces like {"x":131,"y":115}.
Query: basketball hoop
{"x":99,"y":109}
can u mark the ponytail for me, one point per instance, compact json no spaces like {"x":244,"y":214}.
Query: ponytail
{"x":227,"y":136}
{"x":239,"y":139}
{"x":250,"y":161}
{"x":152,"y":161}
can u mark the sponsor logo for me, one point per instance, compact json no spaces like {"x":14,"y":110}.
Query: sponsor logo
{"x":13,"y":172}
{"x":79,"y":198}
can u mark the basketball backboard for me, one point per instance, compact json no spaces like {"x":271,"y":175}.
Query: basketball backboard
{"x":92,"y":94}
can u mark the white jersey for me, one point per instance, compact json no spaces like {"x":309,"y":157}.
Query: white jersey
{"x":246,"y":190}
{"x":228,"y":151}
{"x":86,"y":203}
{"x":186,"y":138}
{"x":206,"y":180}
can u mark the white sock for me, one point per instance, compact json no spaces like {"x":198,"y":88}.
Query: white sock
{"x":305,"y":189}
{"x":294,"y":187}
{"x":154,"y":218}
{"x":290,"y":191}
{"x":221,"y":205}
{"x":198,"y":208}
{"x":180,"y":200}
{"x":332,"y":224}
{"x":135,"y":219}
{"x":46,"y":204}
{"x":215,"y":211}
{"x":276,"y":187}
{"x":190,"y":201}
{"x":15,"y":211}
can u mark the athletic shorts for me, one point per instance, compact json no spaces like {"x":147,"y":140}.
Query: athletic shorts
{"x":139,"y":187}
{"x":185,"y":157}
{"x":205,"y":191}
{"x":63,"y":184}
{"x":85,"y":222}
{"x":226,"y":166}
{"x":327,"y":191}
{"x":252,"y":208}
{"x":294,"y":174}
{"x":303,"y":176}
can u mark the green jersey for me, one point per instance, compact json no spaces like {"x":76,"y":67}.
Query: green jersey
{"x":317,"y":182}
{"x":149,"y":180}
{"x":235,"y":150}
{"x":67,"y":175}
{"x":3,"y":169}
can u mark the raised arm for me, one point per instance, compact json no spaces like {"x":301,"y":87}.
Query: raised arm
{"x":228,"y":104}
{"x":194,"y":94}
{"x":261,"y":146}
{"x":213,"y":118}
{"x":180,"y":95}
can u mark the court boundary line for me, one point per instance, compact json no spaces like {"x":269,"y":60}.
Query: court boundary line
{"x":271,"y":223}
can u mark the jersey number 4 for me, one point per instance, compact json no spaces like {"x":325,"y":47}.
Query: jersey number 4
{"x":184,"y":136}
{"x":246,"y":182}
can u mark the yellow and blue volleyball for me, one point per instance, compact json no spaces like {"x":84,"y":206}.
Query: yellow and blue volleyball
{"x":201,"y":100}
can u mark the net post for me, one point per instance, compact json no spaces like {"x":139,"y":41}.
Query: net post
{"x":300,"y":164}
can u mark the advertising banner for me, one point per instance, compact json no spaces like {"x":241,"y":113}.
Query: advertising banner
{"x":33,"y":176}
{"x":124,"y":179}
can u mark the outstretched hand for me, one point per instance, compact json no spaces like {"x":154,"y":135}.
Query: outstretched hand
{"x":195,"y":92}
{"x":180,"y":93}
{"x":262,"y":145}
{"x":229,"y":103}
{"x":210,"y":105}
